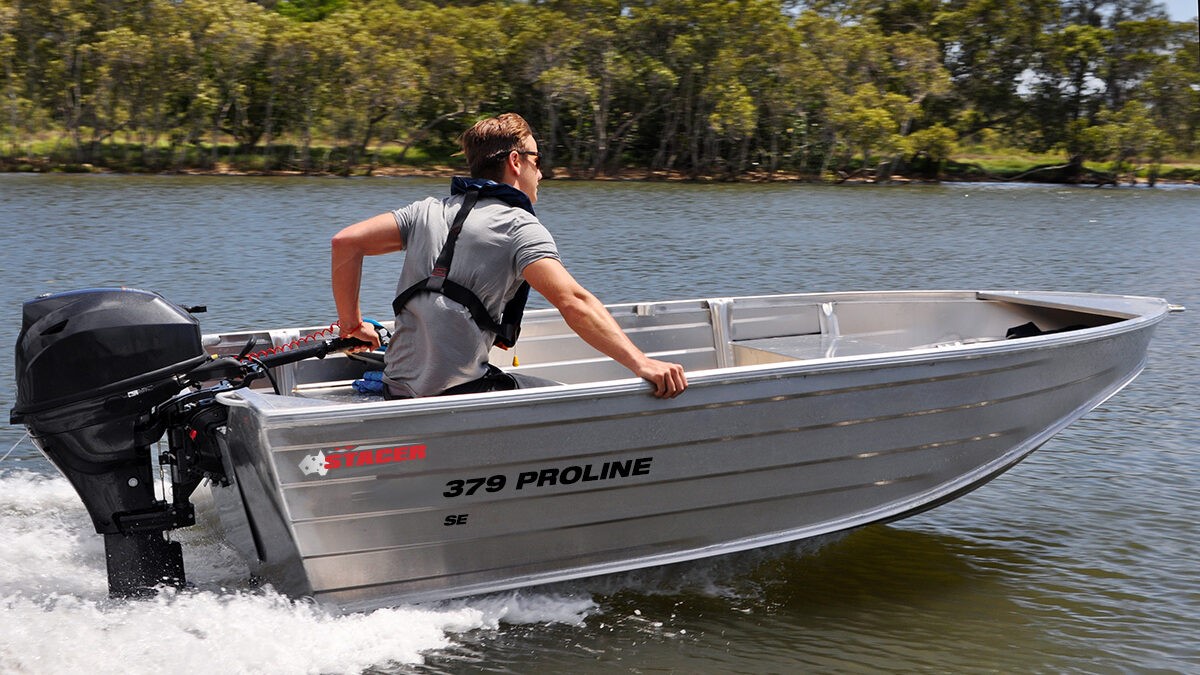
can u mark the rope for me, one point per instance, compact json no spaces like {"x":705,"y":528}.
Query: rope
{"x":14,"y":447}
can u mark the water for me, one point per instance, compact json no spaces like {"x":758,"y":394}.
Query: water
{"x":1082,"y":559}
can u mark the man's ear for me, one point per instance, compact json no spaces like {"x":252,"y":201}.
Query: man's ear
{"x":512,"y":167}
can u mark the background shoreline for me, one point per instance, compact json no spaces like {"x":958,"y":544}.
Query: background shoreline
{"x":962,"y":172}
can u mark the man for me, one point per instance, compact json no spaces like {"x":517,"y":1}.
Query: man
{"x":437,"y":346}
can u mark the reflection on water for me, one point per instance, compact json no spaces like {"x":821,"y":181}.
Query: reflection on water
{"x":791,"y":607}
{"x":1083,"y":558}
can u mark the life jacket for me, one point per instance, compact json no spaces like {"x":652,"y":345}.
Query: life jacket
{"x":508,"y":329}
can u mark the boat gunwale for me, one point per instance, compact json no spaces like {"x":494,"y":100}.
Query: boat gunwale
{"x":317,"y":412}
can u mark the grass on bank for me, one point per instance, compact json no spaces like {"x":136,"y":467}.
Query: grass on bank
{"x":55,"y":155}
{"x":1008,"y":164}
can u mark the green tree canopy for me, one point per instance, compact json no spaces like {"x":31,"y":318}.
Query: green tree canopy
{"x":699,"y":87}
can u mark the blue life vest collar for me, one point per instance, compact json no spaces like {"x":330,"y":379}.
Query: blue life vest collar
{"x":490,"y":188}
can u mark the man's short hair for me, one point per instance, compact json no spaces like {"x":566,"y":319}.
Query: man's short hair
{"x":486,"y":144}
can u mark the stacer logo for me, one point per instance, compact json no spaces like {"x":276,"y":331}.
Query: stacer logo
{"x":352,"y":455}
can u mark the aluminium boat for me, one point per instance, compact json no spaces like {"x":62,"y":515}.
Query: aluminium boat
{"x":806,"y":414}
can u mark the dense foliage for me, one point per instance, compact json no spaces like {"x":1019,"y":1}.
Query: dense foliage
{"x":696,"y":87}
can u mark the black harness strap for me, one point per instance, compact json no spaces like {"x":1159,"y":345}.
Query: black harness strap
{"x":509,"y":328}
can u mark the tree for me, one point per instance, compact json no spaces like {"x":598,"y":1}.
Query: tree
{"x":16,"y":107}
{"x":303,"y":70}
{"x":456,"y":58}
{"x":306,"y":10}
{"x":59,"y":60}
{"x":1067,"y":87}
{"x":1127,"y":135}
{"x":377,"y":73}
{"x":231,"y":43}
{"x":988,"y":48}
{"x":544,"y":41}
{"x":868,"y":121}
{"x":933,"y":144}
{"x":1171,"y":86}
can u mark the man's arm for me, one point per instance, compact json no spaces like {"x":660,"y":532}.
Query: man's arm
{"x":373,"y":236}
{"x":587,"y":317}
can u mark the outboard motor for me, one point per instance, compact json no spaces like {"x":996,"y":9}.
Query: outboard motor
{"x":102,"y":374}
{"x":91,"y":367}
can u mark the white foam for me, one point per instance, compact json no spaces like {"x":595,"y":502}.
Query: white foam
{"x":58,"y":617}
{"x":49,"y":545}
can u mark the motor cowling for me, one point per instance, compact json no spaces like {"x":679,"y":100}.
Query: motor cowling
{"x":91,"y":366}
{"x":92,"y":343}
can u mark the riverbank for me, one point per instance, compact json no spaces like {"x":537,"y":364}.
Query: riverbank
{"x":969,"y":168}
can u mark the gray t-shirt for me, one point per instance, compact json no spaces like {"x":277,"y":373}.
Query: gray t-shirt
{"x":436,"y":345}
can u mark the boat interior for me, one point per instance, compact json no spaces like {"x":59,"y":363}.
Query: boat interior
{"x":718,"y":333}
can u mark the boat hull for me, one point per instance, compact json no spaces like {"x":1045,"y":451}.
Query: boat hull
{"x":362,"y":506}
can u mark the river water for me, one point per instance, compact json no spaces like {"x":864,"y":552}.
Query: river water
{"x":1084,"y":558}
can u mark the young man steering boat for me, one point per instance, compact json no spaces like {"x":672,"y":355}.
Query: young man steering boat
{"x":468,"y":258}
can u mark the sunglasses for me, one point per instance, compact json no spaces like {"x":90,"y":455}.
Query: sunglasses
{"x":537,"y":156}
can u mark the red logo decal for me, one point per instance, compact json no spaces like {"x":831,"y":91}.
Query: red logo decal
{"x":348,"y":456}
